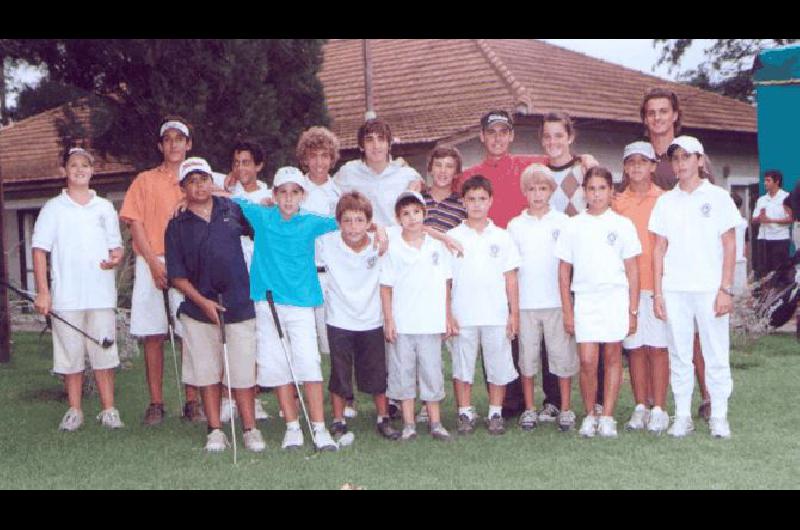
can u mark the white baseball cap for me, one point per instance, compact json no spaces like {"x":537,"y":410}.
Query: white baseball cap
{"x":639,"y":148}
{"x":80,"y":151}
{"x":409,"y":193}
{"x":174,"y":124}
{"x":194,"y":164}
{"x":690,"y":144}
{"x":288,"y":174}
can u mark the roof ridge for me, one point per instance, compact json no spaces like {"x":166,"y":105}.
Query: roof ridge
{"x":519,"y":92}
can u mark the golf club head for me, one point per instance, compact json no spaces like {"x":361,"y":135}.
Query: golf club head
{"x":107,"y":343}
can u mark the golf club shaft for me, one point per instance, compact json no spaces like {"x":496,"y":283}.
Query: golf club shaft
{"x":227,"y":376}
{"x":171,"y":326}
{"x":104,"y":344}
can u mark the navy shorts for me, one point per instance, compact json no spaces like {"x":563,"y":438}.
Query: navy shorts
{"x":362,"y":351}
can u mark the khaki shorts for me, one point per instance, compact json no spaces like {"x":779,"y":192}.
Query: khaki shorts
{"x":413,"y":358}
{"x":70,"y":348}
{"x":203,"y":362}
{"x":148,"y":316}
{"x":562,"y":354}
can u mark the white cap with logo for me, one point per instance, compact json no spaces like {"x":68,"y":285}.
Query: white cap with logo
{"x":290,"y":174}
{"x":639,"y":148}
{"x":193,"y":164}
{"x":690,"y":144}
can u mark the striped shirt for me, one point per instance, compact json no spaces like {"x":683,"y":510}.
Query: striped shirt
{"x":446,"y":214}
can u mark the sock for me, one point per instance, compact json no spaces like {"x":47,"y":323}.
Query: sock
{"x":318,"y":426}
{"x":293,"y":425}
{"x":380,"y":419}
{"x":465,"y":410}
{"x":210,"y":429}
{"x":495,"y":410}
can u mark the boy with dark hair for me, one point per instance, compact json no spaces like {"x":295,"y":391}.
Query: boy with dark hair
{"x":774,"y":220}
{"x":661,"y":116}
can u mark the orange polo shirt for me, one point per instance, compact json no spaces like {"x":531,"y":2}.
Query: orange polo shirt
{"x":638,"y":209}
{"x":152,"y":199}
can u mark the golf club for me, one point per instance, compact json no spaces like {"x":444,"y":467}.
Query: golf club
{"x":105,"y":343}
{"x":227,"y":376}
{"x":285,"y":347}
{"x":171,"y":326}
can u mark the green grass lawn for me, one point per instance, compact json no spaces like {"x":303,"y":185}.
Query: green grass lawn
{"x":764,"y":452}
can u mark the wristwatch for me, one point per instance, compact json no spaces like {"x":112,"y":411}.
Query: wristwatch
{"x":726,"y":289}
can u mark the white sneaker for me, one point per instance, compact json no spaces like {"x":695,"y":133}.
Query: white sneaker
{"x":658,"y":421}
{"x":422,"y":417}
{"x":254,"y":441}
{"x":350,"y":412}
{"x":216,"y":441}
{"x":261,"y":414}
{"x":681,"y":426}
{"x":323,"y":441}
{"x":607,"y":427}
{"x":292,"y":439}
{"x":588,"y":427}
{"x":71,"y":420}
{"x":225,"y":410}
{"x":110,"y":418}
{"x":637,"y":421}
{"x":719,"y":427}
{"x":409,"y":433}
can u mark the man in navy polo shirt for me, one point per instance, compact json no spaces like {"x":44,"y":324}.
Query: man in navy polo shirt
{"x":205,"y":262}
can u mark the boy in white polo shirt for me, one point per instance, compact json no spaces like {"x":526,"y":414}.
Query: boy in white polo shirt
{"x":485,"y":306}
{"x":693,"y":264}
{"x":353,"y":313}
{"x":535,"y":232}
{"x":414,"y":295}
{"x":81,"y":232}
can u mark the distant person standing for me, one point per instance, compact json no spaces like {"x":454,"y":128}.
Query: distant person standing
{"x":774,"y":220}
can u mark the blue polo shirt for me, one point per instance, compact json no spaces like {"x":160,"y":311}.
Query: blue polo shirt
{"x":283,"y":261}
{"x":209,"y":255}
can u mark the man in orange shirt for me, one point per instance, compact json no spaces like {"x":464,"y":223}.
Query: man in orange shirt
{"x":649,"y":360}
{"x":148,"y":206}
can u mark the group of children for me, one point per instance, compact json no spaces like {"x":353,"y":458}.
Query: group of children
{"x":387,"y":269}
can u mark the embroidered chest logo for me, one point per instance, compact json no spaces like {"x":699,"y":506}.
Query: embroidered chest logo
{"x":435,"y":258}
{"x":102,"y":222}
{"x":371,"y":261}
{"x":494,"y":251}
{"x":611,"y":238}
{"x":556,"y":233}
{"x":705,"y":209}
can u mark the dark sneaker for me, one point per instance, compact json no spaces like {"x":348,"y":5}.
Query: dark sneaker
{"x":394,"y":410}
{"x":193,"y":412}
{"x":465,"y":425}
{"x":154,"y":415}
{"x":496,"y":424}
{"x":386,"y":430}
{"x":440,"y":433}
{"x":338,"y":429}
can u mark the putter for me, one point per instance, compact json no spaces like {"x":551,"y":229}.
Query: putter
{"x":171,"y":327}
{"x":285,"y":347}
{"x":227,"y":376}
{"x":105,"y":343}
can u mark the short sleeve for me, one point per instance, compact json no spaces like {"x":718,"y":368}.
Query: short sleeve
{"x":446,"y":262}
{"x":251,"y":211}
{"x":656,"y":223}
{"x":133,"y":203}
{"x":176,"y":268}
{"x":513,"y":259}
{"x":44,"y":230}
{"x":759,"y":205}
{"x":323,"y":244}
{"x":563,"y":248}
{"x":730,"y":216}
{"x":111,"y":222}
{"x":631,"y":244}
{"x":387,"y":274}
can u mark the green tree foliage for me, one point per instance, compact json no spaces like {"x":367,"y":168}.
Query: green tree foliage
{"x":46,"y":95}
{"x":266,"y":90}
{"x":728,"y":67}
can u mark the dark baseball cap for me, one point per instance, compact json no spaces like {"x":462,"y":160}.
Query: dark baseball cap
{"x":496,"y":116}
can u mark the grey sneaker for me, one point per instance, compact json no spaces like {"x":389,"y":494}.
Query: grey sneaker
{"x":154,"y":415}
{"x":253,"y":441}
{"x":440,"y":433}
{"x":466,"y":424}
{"x":386,"y":430}
{"x":638,"y":419}
{"x":549,"y":413}
{"x":528,"y":420}
{"x":324,"y":442}
{"x":216,"y":441}
{"x":566,"y":420}
{"x":409,"y":433}
{"x":719,"y":428}
{"x":496,"y":425}
{"x":681,"y":427}
{"x":71,"y":420}
{"x":110,"y":418}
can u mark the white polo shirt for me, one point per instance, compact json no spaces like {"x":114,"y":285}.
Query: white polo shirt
{"x":693,"y":224}
{"x":774,"y":208}
{"x":479,"y":284}
{"x":263,"y":191}
{"x":322,"y":199}
{"x":78,"y":238}
{"x":740,"y":233}
{"x":381,"y":189}
{"x":418,"y":278}
{"x":597,"y":247}
{"x":352,"y":299}
{"x":538,"y":271}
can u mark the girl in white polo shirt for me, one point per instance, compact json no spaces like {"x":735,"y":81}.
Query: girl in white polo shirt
{"x":693,"y":265}
{"x":81,"y":232}
{"x":601,"y":246}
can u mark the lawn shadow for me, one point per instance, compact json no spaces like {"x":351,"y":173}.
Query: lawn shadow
{"x":44,"y":394}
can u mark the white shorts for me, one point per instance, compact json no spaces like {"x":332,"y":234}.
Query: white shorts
{"x":650,"y":331}
{"x":148,"y":316}
{"x":602,"y":316}
{"x":562,"y":355}
{"x":496,"y":348}
{"x":319,"y":316}
{"x":70,"y":348}
{"x":299,"y":328}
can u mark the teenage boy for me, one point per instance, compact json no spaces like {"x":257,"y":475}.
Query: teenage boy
{"x":353,"y":313}
{"x":81,"y":232}
{"x":149,"y":204}
{"x":205,"y":262}
{"x":693,"y":264}
{"x":535,"y":232}
{"x":661,"y":116}
{"x":774,"y":220}
{"x":485,"y":306}
{"x":414,"y":296}
{"x":444,"y":208}
{"x":283,"y":263}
